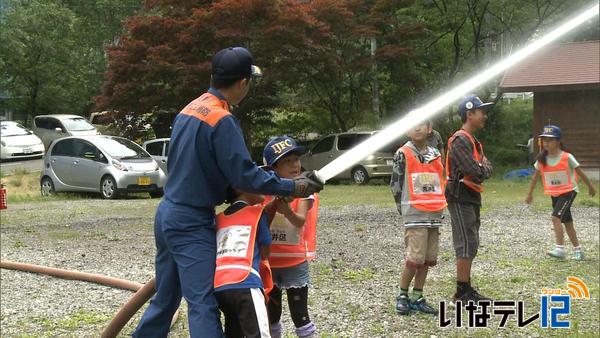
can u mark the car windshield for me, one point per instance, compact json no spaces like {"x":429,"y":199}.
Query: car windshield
{"x":13,"y":130}
{"x":121,"y":148}
{"x":77,"y":124}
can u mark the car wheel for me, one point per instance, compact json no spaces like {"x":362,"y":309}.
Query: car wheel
{"x":360,"y":176}
{"x":108,"y":188}
{"x":47,"y":187}
{"x":156,"y":194}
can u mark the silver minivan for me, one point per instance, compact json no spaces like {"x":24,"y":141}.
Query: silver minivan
{"x":330,"y":147}
{"x":51,"y":127}
{"x":109,"y":165}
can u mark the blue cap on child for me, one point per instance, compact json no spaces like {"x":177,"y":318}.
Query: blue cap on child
{"x":472,"y":102}
{"x":551,"y":131}
{"x":280,"y":146}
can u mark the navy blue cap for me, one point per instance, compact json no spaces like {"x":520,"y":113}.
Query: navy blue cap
{"x":280,"y":146}
{"x":551,"y":131}
{"x":234,"y":63}
{"x":472,"y":102}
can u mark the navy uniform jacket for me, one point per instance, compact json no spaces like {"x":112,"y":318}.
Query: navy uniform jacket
{"x":207,"y":154}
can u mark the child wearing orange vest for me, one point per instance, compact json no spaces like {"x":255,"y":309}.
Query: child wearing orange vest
{"x":418,"y":187}
{"x":293,"y":232}
{"x":243,"y":240}
{"x":559,"y":170}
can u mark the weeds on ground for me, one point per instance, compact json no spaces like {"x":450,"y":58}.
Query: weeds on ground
{"x":360,"y":275}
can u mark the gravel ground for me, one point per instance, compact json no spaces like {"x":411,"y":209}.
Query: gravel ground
{"x":355,"y":277}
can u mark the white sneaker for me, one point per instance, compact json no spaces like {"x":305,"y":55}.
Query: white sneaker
{"x":557,"y":253}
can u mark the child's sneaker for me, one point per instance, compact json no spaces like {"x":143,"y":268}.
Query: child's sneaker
{"x":403,"y":304}
{"x":276,"y":329}
{"x":578,"y":255}
{"x":471,"y":295}
{"x":557,"y":253}
{"x":422,"y":306}
{"x":307,"y":331}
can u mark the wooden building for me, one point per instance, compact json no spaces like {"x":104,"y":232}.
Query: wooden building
{"x":565,"y":80}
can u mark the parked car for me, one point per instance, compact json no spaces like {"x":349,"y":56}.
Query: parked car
{"x":159,"y":150}
{"x":52,"y":127}
{"x":330,"y":147}
{"x":18,"y":142}
{"x":110,"y":165}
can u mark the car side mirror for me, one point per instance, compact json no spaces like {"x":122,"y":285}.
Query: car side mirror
{"x":89,"y":155}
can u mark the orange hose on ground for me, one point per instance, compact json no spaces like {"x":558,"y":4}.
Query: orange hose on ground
{"x":130,"y":308}
{"x":135,"y":302}
{"x":76,"y":275}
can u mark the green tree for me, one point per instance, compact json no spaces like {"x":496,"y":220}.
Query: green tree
{"x":99,"y":24}
{"x":36,"y":59}
{"x":52,"y":56}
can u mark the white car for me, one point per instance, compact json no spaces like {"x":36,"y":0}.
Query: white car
{"x":18,"y":142}
{"x":52,"y":127}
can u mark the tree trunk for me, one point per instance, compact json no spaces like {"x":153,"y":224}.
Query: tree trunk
{"x":375,"y":101}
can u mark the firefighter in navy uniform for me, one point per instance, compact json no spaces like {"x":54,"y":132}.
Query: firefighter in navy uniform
{"x":207,"y":155}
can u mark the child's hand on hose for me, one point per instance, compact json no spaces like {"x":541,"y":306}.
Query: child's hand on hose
{"x":283,"y":207}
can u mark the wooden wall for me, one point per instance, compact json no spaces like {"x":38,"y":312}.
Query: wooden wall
{"x":577,"y":113}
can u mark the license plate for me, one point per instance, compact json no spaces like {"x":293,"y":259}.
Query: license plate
{"x":389,"y":162}
{"x":144,"y":180}
{"x":27,"y":151}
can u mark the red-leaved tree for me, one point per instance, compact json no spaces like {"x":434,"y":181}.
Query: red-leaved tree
{"x":318,"y":52}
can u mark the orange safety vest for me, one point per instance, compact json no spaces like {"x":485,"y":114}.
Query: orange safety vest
{"x":425,"y":182}
{"x":466,"y":180}
{"x":236,"y":235}
{"x":267,"y":277}
{"x":291,"y":245}
{"x":557,"y":179}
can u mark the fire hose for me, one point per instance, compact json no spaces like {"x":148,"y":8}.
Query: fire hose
{"x":143,"y":291}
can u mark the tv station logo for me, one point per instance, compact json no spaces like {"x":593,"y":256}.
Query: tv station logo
{"x":555,"y":308}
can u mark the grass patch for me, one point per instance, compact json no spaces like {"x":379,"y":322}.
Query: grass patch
{"x":81,"y":318}
{"x":359,"y":227}
{"x":24,"y":187}
{"x":64,"y":235}
{"x":497,"y":193}
{"x":360,"y":275}
{"x":19,"y":244}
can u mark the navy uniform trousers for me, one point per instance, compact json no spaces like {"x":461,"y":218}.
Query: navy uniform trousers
{"x":185,"y":265}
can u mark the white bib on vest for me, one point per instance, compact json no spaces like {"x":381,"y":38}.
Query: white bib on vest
{"x":284,"y":232}
{"x":233,"y":241}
